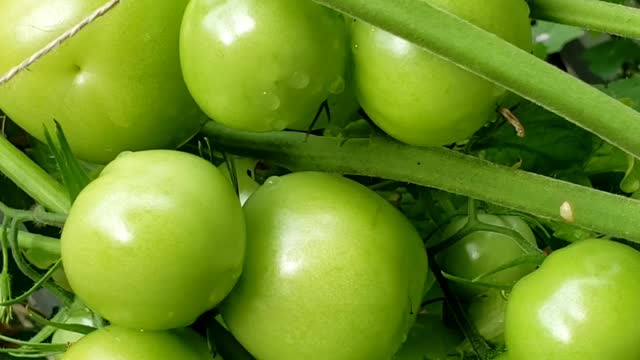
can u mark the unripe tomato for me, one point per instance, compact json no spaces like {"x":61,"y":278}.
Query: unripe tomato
{"x":156,"y":240}
{"x":486,"y":313}
{"x":262,"y":65}
{"x":582,"y":303}
{"x":81,"y":317}
{"x":111,"y":343}
{"x":332,"y":270}
{"x":421,"y":99}
{"x":115,"y":86}
{"x":483,"y":251}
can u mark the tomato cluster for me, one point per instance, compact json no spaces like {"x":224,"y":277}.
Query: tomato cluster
{"x":305,"y":265}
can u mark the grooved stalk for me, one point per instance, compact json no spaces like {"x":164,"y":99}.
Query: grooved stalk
{"x":590,"y":14}
{"x":438,"y":168}
{"x":32,"y":179}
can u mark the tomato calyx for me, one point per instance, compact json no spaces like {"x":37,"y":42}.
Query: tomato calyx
{"x":473,"y":224}
{"x":533,"y":259}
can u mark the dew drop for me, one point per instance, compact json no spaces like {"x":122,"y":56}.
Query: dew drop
{"x":273,"y":180}
{"x":299,"y":80}
{"x":123,"y":154}
{"x":337,"y":86}
{"x":269,"y":101}
{"x":278,"y":124}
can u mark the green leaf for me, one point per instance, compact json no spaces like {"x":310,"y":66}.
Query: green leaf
{"x":610,"y":59}
{"x":608,"y":159}
{"x":554,"y":36}
{"x":626,"y":90}
{"x":550,"y":144}
{"x":74,"y":177}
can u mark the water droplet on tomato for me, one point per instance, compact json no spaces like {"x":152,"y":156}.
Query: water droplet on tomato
{"x":269,"y":101}
{"x":278,"y":124}
{"x":124,"y":153}
{"x":273,"y":180}
{"x":337,"y":86}
{"x":299,"y":80}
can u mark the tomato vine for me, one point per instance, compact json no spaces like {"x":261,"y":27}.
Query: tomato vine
{"x":438,"y":168}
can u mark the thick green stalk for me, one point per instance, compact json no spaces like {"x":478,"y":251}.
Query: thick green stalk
{"x":442,"y":169}
{"x":45,"y":244}
{"x":492,"y":58}
{"x":32,"y":179}
{"x":595,"y":15}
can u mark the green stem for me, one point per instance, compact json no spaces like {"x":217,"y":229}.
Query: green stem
{"x":26,"y":269}
{"x":438,"y":168}
{"x":48,"y":245}
{"x":491,"y":57}
{"x":32,"y":179}
{"x":590,"y":14}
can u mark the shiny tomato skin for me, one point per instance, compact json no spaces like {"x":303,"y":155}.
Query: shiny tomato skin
{"x":582,"y":303}
{"x":115,"y":86}
{"x":332,"y":271}
{"x":156,"y":240}
{"x":117,"y":343}
{"x":262,"y":65}
{"x":421,"y":99}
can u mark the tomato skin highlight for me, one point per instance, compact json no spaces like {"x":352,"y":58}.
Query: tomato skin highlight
{"x":330,"y":265}
{"x":582,"y":303}
{"x":115,"y":86}
{"x":262,"y":65}
{"x":156,"y":240}
{"x":419,"y":98}
{"x":119,"y":343}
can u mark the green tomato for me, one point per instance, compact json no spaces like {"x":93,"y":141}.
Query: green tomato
{"x":156,"y":240}
{"x":421,"y":99}
{"x":429,"y":339}
{"x":502,"y":356}
{"x":332,"y":270}
{"x":262,"y":66}
{"x":486,"y":312}
{"x":483,"y":251}
{"x":245,"y":174}
{"x":582,"y":303}
{"x":115,"y":86}
{"x":80,"y":317}
{"x":111,"y":343}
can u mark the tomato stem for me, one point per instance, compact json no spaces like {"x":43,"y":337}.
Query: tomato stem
{"x":439,"y":168}
{"x":32,"y":179}
{"x":590,"y":14}
{"x":26,"y":269}
{"x":497,"y":60}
